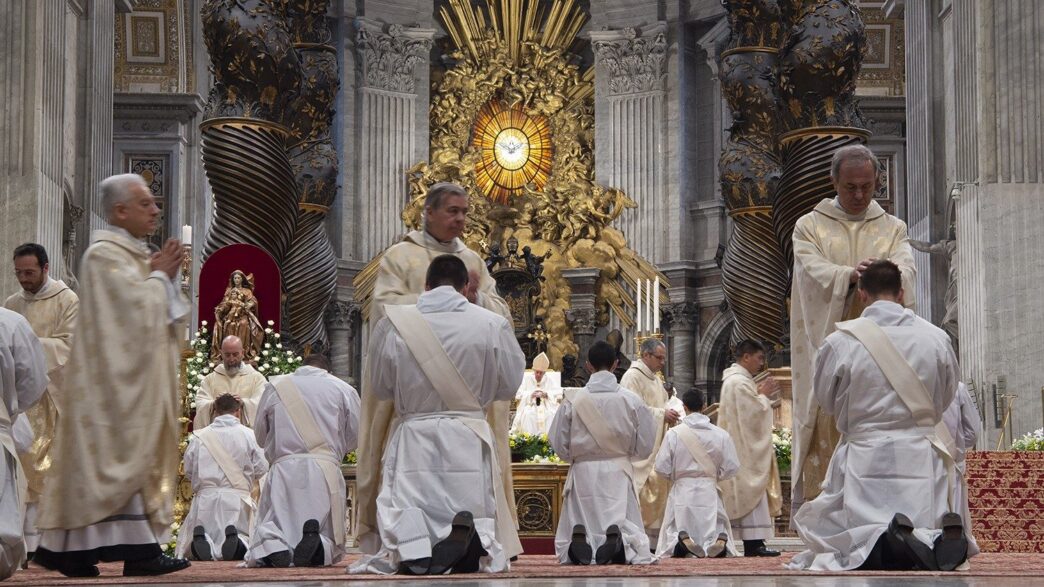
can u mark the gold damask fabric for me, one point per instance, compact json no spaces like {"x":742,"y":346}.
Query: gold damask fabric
{"x":117,"y":434}
{"x":653,"y":489}
{"x":52,"y":313}
{"x":828,"y":244}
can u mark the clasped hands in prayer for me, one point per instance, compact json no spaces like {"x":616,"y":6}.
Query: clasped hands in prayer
{"x":168,"y":259}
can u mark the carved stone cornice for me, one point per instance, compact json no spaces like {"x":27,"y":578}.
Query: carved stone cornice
{"x":389,"y":54}
{"x":681,"y":316}
{"x":582,"y":320}
{"x":342,"y":315}
{"x":633,"y":60}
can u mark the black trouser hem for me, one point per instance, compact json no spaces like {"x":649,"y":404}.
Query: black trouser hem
{"x":78,"y":559}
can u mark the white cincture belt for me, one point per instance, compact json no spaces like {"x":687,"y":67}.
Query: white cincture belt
{"x":311,"y":456}
{"x":623,"y":462}
{"x":440,"y":415}
{"x":219,"y":489}
{"x":890,"y":435}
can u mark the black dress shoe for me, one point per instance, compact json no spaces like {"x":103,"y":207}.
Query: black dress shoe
{"x":418,"y":566}
{"x":309,"y":551}
{"x":686,"y":547}
{"x":761,"y":551}
{"x":447,"y":553}
{"x":579,"y":552}
{"x":613,"y":549}
{"x":470,"y":562}
{"x":160,"y":565}
{"x":233,"y":548}
{"x":279,"y":560}
{"x":77,"y":572}
{"x":951,"y":547}
{"x":200,"y":548}
{"x":903,"y":544}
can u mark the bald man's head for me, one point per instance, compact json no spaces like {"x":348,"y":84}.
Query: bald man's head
{"x":232,"y":354}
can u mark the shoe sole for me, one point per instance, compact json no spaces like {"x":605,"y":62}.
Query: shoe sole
{"x":951,"y":548}
{"x":200,"y":547}
{"x":901,"y":528}
{"x":447,"y":553}
{"x":612,"y":549}
{"x":310,"y":544}
{"x":231,"y":545}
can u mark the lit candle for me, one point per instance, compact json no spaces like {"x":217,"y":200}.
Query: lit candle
{"x":186,"y":235}
{"x":639,"y":296}
{"x":656,"y":305}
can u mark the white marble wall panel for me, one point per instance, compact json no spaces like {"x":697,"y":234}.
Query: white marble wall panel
{"x":385,"y":152}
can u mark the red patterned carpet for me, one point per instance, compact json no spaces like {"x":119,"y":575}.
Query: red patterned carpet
{"x":1006,"y":498}
{"x":530,"y":566}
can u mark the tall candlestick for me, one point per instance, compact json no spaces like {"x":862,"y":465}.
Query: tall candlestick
{"x":639,"y":296}
{"x":186,"y":235}
{"x":648,"y":305}
{"x":656,"y":306}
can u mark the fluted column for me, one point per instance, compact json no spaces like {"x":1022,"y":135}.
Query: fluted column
{"x":680,"y":320}
{"x":387,"y":127}
{"x":342,"y":321}
{"x":630,"y":133}
{"x":101,"y":22}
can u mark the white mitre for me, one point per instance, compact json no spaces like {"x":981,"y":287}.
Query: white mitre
{"x":541,"y":362}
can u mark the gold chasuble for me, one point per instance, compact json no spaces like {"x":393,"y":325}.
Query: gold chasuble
{"x":652,"y":488}
{"x":747,"y":416}
{"x":118,"y":433}
{"x":400,"y":280}
{"x":828,"y":244}
{"x":52,"y":313}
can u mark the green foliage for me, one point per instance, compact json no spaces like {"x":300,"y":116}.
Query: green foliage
{"x":532,"y":448}
{"x":781,"y":439}
{"x":1030,"y":441}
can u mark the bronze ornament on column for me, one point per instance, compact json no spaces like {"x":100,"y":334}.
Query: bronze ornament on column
{"x":818,"y":65}
{"x":310,"y":271}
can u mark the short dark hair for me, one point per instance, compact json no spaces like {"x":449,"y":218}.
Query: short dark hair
{"x":694,"y":400}
{"x":881,"y":277}
{"x":749,"y":347}
{"x":226,"y":403}
{"x":601,"y":355}
{"x":446,"y":270}
{"x":24,"y":250}
{"x":318,"y":360}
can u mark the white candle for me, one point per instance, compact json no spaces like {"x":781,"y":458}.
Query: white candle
{"x":186,"y":235}
{"x":639,"y":296}
{"x":656,"y":305}
{"x":648,"y":305}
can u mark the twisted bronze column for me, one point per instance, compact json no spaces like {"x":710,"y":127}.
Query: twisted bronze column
{"x":310,"y":272}
{"x":754,"y":276}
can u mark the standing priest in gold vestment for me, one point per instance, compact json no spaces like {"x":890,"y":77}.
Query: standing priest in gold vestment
{"x":644,"y":380}
{"x":109,"y":495}
{"x":51,"y":308}
{"x":400,"y":280}
{"x":833,"y":245}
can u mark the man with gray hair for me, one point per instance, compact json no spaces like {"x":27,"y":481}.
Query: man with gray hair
{"x":833,"y":246}
{"x":400,"y":280}
{"x":643,"y":378}
{"x":109,"y":495}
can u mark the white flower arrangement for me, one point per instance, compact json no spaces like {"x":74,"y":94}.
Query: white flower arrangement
{"x":1030,"y":441}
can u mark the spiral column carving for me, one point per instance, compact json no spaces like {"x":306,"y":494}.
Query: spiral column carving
{"x":310,"y":272}
{"x":754,"y":275}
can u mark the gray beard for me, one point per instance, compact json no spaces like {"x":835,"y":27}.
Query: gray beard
{"x":233,"y":370}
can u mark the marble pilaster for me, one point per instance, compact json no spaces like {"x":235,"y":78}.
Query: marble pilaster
{"x":582,"y":315}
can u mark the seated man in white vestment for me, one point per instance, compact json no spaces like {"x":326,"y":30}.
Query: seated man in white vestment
{"x":443,"y":361}
{"x":232,"y":376}
{"x":695,"y":455}
{"x":224,"y":464}
{"x":599,"y":430}
{"x":538,"y":398}
{"x":23,"y":380}
{"x":306,"y":422}
{"x":109,"y":494}
{"x":887,"y":501}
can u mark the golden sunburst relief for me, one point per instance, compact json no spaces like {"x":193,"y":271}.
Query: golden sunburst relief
{"x":516,"y":150}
